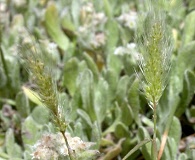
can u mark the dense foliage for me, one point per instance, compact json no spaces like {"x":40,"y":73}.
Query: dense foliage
{"x":77,"y":66}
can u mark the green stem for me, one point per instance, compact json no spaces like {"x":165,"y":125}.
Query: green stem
{"x":70,"y":152}
{"x":154,"y":146}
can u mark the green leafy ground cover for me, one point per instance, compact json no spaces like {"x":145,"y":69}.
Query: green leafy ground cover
{"x":90,"y":47}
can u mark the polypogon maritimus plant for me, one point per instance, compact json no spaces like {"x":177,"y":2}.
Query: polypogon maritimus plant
{"x":155,"y":44}
{"x":155,"y":47}
{"x":41,"y":67}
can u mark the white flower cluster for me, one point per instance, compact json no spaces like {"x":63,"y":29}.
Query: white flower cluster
{"x":4,"y":15}
{"x":52,"y":146}
{"x":92,"y":23}
{"x":99,"y":40}
{"x":129,"y":49}
{"x":89,"y":16}
{"x":128,"y":19}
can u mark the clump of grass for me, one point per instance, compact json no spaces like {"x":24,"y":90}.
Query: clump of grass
{"x":155,"y":46}
{"x":39,"y":65}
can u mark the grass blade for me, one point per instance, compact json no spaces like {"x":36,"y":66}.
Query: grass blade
{"x":140,"y":144}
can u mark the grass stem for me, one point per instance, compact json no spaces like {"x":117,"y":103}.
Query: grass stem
{"x":154,"y":146}
{"x":70,"y":152}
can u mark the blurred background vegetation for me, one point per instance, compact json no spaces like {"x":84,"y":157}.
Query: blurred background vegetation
{"x":91,"y":44}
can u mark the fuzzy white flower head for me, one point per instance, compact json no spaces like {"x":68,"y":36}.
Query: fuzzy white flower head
{"x":82,"y":29}
{"x":3,"y":6}
{"x":133,"y":50}
{"x":128,"y":19}
{"x":119,"y":50}
{"x":98,"y":40}
{"x":99,"y":18}
{"x":129,"y":49}
{"x":89,"y":8}
{"x":53,"y":146}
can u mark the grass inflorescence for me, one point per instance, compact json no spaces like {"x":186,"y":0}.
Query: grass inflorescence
{"x":155,"y":46}
{"x":154,"y":42}
{"x":39,"y":65}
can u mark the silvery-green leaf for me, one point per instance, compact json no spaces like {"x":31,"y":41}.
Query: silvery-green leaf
{"x":121,"y":93}
{"x":117,"y":120}
{"x":22,"y":104}
{"x":85,"y":83}
{"x":189,"y":31}
{"x":191,"y":5}
{"x":70,"y":74}
{"x":14,"y":72}
{"x":85,"y":117}
{"x":40,"y":114}
{"x":187,"y":93}
{"x":91,"y":65}
{"x":67,"y":23}
{"x":3,"y":78}
{"x":121,"y":130}
{"x":112,"y":37}
{"x":182,"y":156}
{"x":88,"y":155}
{"x":133,"y":98}
{"x":30,"y":131}
{"x":112,"y":79}
{"x":175,"y":130}
{"x":52,"y":25}
{"x":12,"y":148}
{"x":101,"y":100}
{"x":107,"y":8}
{"x":75,"y":11}
{"x":146,"y":149}
{"x":114,"y":63}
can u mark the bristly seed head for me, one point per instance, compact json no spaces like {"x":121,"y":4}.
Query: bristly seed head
{"x":155,"y":46}
{"x":39,"y":64}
